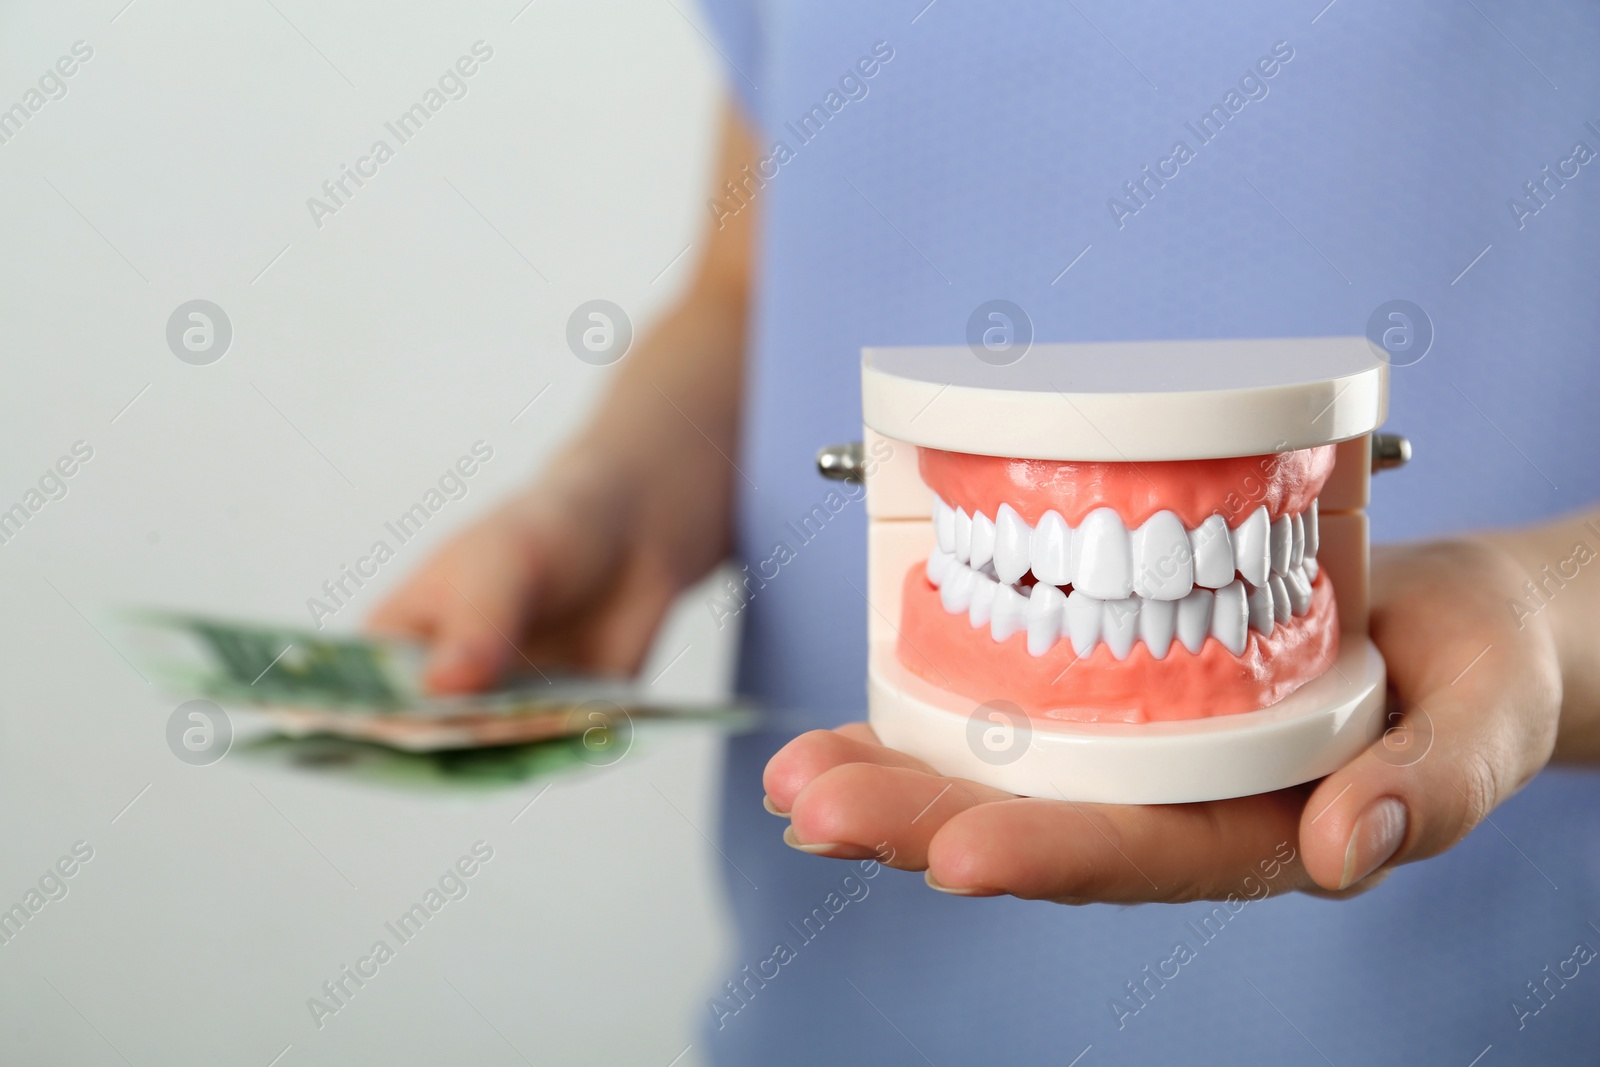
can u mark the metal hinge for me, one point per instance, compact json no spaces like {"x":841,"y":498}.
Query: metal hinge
{"x":842,"y":463}
{"x":1389,"y":451}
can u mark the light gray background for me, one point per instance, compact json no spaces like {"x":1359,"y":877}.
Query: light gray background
{"x":367,"y":356}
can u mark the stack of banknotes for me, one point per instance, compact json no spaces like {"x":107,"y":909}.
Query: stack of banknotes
{"x":311,"y":684}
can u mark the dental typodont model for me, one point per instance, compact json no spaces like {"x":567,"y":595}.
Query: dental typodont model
{"x":1127,"y":573}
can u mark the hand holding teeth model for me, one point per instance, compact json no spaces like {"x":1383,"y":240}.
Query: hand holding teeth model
{"x":1146,"y":561}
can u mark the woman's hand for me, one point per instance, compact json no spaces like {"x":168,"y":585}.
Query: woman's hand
{"x":568,"y":573}
{"x":1479,"y":693}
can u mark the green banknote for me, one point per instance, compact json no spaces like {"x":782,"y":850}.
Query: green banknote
{"x":367,"y":691}
{"x":227,"y":659}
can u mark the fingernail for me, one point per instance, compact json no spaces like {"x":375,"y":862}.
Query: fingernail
{"x":766,"y":802}
{"x":826,"y":848}
{"x":934,"y":883}
{"x":1378,"y":834}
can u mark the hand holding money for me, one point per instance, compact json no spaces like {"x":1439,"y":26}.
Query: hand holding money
{"x":577,"y":571}
{"x":575,"y":574}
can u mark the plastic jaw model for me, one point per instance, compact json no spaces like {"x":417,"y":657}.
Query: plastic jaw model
{"x":1125,"y":573}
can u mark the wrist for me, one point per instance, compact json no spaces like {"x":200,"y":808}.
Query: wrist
{"x":1552,"y":601}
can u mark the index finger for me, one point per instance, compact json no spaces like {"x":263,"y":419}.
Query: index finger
{"x":802,"y":760}
{"x":406,"y":613}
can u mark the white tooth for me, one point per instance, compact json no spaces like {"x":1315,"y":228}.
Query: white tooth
{"x":1044,"y":618}
{"x":1011,"y":538}
{"x":1194,"y":619}
{"x":1213,"y":553}
{"x":1102,"y":563}
{"x":1260,"y":600}
{"x":1252,"y":555}
{"x":1299,"y":591}
{"x":1157,"y":622}
{"x":1008,"y":616}
{"x":1311,"y":568}
{"x":956,"y":593}
{"x":982,"y":540}
{"x":1049,"y":549}
{"x":1282,"y":542}
{"x":944,"y":524}
{"x":1230,"y":617}
{"x":1280,"y":597}
{"x":1311,"y":531}
{"x":1297,"y":540}
{"x":982,"y":604}
{"x":939,"y":563}
{"x":1163,"y":563}
{"x":963,"y":535}
{"x":1083,"y":621}
{"x":1119,"y":625}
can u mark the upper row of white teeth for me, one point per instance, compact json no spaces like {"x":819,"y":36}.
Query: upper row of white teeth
{"x":1102,"y":558}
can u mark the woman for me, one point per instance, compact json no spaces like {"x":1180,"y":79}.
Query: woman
{"x":891,"y":170}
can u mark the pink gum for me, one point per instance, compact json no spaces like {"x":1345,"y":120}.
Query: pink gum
{"x":1286,"y":483}
{"x":948,"y":652}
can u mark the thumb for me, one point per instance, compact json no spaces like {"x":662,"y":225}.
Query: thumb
{"x":1474,"y":719}
{"x":474,"y":642}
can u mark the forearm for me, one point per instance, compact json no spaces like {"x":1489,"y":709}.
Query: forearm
{"x":676,"y":397}
{"x":655,"y":465}
{"x":1562,"y":560}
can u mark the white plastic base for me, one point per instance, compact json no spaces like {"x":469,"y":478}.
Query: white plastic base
{"x":1314,"y":731}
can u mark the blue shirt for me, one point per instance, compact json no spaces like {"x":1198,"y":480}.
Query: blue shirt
{"x":1336,"y":160}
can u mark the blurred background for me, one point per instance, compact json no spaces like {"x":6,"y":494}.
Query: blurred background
{"x":371,"y":347}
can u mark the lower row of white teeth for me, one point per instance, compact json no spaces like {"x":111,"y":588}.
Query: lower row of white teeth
{"x":1047,"y":614}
